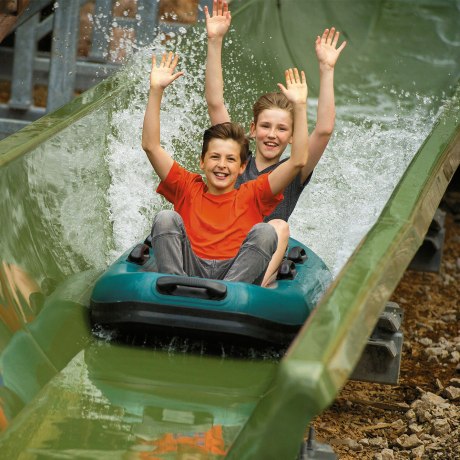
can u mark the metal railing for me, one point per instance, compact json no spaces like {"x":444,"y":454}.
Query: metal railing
{"x":61,"y":69}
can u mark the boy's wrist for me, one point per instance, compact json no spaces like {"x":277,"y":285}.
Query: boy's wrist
{"x":157,"y":90}
{"x":323,"y":67}
{"x":219,"y":39}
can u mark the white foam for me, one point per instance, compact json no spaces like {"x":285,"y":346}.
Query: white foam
{"x":375,"y":139}
{"x":365,"y":159}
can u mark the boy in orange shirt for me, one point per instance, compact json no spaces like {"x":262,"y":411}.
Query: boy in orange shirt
{"x":215,"y":230}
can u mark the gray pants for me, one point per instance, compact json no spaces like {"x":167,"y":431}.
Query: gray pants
{"x":174,"y":254}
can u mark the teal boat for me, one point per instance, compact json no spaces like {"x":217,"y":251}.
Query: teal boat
{"x":131,"y":296}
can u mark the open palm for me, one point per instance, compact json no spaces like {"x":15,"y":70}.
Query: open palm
{"x":296,"y":89}
{"x":163,"y":74}
{"x":218,"y":24}
{"x":326,"y":47}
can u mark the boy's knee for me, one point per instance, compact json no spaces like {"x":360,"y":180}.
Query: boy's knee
{"x":281,"y":227}
{"x":166,"y":220}
{"x":264,"y":235}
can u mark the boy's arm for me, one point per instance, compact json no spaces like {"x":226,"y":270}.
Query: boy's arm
{"x":296,"y":91}
{"x":327,"y":54}
{"x":216,"y":27}
{"x":160,"y":77}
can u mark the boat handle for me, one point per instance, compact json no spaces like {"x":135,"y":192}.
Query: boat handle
{"x":297,"y":254}
{"x":178,"y":285}
{"x":140,"y":254}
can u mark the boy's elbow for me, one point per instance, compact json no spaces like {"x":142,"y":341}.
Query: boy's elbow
{"x":300,"y":163}
{"x":148,"y":147}
{"x":325,"y":128}
{"x":215,"y":104}
{"x":145,"y":146}
{"x":148,"y":140}
{"x":325,"y":131}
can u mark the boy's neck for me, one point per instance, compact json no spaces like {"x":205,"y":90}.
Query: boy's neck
{"x":262,"y":163}
{"x":217,"y":192}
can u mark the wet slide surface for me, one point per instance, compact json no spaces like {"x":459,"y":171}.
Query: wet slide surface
{"x":75,"y":192}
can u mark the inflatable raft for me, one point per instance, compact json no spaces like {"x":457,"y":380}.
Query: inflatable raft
{"x":131,"y":295}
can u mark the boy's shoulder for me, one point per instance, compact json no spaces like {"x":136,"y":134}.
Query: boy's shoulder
{"x":181,"y":179}
{"x":178,"y":170}
{"x":251,"y":172}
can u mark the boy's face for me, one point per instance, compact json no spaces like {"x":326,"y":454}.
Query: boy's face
{"x":222,"y":165}
{"x":272,"y":133}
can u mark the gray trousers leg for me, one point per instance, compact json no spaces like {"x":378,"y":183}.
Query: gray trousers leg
{"x":171,"y":246}
{"x":174,"y":254}
{"x":251,"y":262}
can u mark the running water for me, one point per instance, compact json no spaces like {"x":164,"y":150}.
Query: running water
{"x":371,"y":148}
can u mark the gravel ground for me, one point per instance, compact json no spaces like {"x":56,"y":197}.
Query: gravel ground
{"x":420,"y":417}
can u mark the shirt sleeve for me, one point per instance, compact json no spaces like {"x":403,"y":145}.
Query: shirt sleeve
{"x":265,"y":199}
{"x":175,"y":184}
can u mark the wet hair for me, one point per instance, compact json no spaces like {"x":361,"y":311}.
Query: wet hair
{"x":272,"y":101}
{"x":224,"y":131}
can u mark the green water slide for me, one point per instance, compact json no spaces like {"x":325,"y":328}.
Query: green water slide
{"x":75,"y":191}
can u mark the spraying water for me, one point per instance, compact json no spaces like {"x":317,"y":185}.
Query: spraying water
{"x":92,"y":188}
{"x":364,"y":161}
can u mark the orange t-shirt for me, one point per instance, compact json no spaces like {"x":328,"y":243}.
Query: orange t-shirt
{"x":217,"y":225}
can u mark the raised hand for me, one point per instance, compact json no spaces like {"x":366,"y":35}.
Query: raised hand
{"x":218,"y":24}
{"x":326,"y":47}
{"x":163,"y":75}
{"x":296,"y":89}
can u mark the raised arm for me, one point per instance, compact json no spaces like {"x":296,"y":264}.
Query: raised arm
{"x":160,"y":77}
{"x":217,"y":26}
{"x":327,"y":54}
{"x":296,"y":91}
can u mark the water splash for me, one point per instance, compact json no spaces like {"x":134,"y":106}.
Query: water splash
{"x":376,"y":136}
{"x":371,"y":148}
{"x":95,"y":186}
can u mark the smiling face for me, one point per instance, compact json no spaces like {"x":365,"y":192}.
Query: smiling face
{"x":222,"y":165}
{"x":272,"y":133}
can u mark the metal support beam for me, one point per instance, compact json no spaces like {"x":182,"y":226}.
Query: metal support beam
{"x":44,"y":28}
{"x":147,"y":26}
{"x":63,"y":54}
{"x":12,"y":120}
{"x":429,"y":256}
{"x":32,"y":9}
{"x":313,"y":450}
{"x":62,"y":72}
{"x":380,"y":361}
{"x":24,"y":52}
{"x":102,"y":20}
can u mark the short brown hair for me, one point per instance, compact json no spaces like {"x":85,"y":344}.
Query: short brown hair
{"x":227,"y":130}
{"x":272,"y":101}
